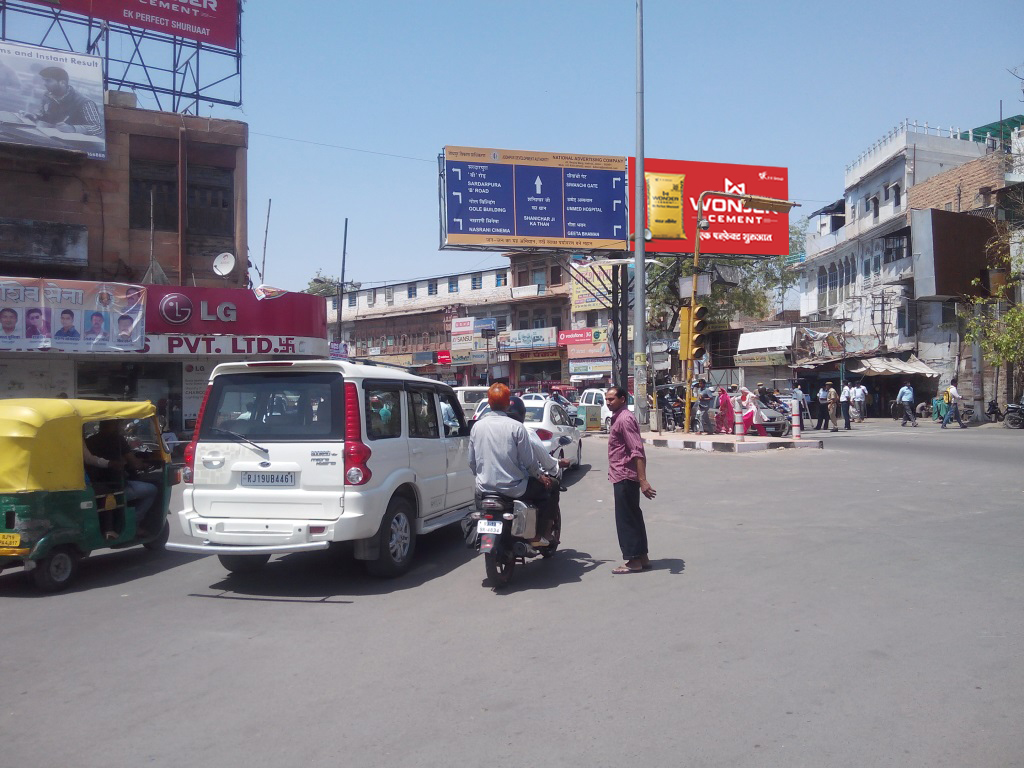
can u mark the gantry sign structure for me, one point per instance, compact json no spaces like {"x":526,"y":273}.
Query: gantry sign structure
{"x":180,"y":55}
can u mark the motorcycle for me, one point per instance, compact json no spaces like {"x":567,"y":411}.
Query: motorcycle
{"x":502,"y":528}
{"x":994,"y":412}
{"x":1014,"y":416}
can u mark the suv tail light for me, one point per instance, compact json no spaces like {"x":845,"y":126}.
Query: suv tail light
{"x":545,"y":434}
{"x":356,"y":452}
{"x":188,"y":471}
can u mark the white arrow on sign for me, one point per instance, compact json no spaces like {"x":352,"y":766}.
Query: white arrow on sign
{"x":537,"y":184}
{"x":458,"y":171}
{"x":615,"y":229}
{"x":615,"y":181}
{"x":458,"y":195}
{"x":459,"y":222}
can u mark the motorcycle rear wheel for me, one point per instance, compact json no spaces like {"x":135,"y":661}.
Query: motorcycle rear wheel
{"x":554,"y":537}
{"x":1013,"y":421}
{"x":499,"y":571}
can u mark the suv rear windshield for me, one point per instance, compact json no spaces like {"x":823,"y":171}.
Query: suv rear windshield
{"x":471,"y":397}
{"x":275,"y":407}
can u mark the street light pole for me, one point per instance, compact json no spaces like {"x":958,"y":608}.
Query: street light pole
{"x":341,"y":285}
{"x":639,"y":279}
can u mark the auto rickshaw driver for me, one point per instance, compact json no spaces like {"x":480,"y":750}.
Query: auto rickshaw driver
{"x":112,"y":456}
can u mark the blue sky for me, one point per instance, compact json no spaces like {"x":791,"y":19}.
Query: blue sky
{"x":348,"y":103}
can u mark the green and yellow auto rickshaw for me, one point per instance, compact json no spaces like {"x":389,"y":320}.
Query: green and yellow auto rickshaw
{"x":52,"y":513}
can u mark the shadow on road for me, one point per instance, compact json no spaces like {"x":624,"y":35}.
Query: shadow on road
{"x":320,"y":576}
{"x":105,"y":568}
{"x":565,"y":567}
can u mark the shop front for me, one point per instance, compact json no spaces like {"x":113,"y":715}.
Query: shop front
{"x":179,"y":335}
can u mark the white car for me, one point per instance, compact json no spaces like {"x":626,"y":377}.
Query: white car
{"x":292,"y":456}
{"x":551,"y":421}
{"x":595,"y":397}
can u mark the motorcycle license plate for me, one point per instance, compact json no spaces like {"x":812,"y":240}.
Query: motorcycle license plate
{"x":488,"y":526}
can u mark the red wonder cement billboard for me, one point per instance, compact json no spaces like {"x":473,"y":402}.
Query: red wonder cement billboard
{"x":735,"y":229}
{"x":208,"y":21}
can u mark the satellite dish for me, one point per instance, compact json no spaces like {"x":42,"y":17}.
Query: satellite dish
{"x":224,"y":264}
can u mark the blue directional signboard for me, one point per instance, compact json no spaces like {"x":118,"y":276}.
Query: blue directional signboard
{"x":499,"y":199}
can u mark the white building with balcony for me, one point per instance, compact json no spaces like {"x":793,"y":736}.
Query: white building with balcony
{"x":871,"y":260}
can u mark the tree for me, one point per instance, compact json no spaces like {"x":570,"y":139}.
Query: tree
{"x":997,"y":319}
{"x":762,"y":284}
{"x":323,"y":285}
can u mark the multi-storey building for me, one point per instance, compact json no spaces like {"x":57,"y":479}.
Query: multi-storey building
{"x":887,"y":263}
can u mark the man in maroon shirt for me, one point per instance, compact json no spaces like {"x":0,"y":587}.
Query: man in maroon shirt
{"x":627,"y":471}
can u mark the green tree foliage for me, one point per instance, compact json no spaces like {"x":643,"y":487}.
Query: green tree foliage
{"x":323,"y":285}
{"x":762,"y":283}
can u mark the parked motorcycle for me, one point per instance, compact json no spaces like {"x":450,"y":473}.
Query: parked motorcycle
{"x":994,"y":412}
{"x":1014,"y":416}
{"x":502,"y":529}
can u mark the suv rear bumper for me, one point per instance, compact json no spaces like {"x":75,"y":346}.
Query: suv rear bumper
{"x":208,"y":548}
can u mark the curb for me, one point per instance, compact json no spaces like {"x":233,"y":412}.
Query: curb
{"x":728,"y":446}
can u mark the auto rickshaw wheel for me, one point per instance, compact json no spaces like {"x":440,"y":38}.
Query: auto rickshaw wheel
{"x":57,"y":570}
{"x":159,"y":542}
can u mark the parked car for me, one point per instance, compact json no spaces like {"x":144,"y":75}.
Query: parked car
{"x":324,"y":451}
{"x":551,"y":421}
{"x":596,"y":397}
{"x":470,"y":397}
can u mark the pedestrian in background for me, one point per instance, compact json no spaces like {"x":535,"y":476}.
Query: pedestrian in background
{"x":845,"y":399}
{"x":953,"y":412}
{"x":822,"y":406}
{"x":627,"y":471}
{"x":726,"y":416}
{"x":832,"y":398}
{"x":859,"y":394}
{"x":905,"y":397}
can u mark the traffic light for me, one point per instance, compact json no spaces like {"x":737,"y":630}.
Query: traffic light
{"x":684,"y":331}
{"x":698,"y":335}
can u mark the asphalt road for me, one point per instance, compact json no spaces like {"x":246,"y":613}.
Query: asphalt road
{"x":855,"y":606}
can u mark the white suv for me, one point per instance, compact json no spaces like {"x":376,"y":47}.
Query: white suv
{"x":291,"y":456}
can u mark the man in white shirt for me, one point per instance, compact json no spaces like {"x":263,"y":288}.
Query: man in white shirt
{"x":822,"y":407}
{"x":844,"y":403}
{"x":858,"y":394}
{"x":954,"y":406}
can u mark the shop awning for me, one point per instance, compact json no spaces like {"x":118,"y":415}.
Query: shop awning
{"x":579,"y":378}
{"x":891,"y":366}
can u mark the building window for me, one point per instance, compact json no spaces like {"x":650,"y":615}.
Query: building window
{"x":352,"y":297}
{"x":540,"y":279}
{"x":371,"y":297}
{"x":867,"y":270}
{"x":822,"y":288}
{"x":211,"y":201}
{"x":591,"y":318}
{"x":876,"y":266}
{"x":502,"y":323}
{"x":524,"y":278}
{"x":895,"y":249}
{"x":389,"y":295}
{"x":410,"y":292}
{"x":853,"y":210}
{"x":556,"y":275}
{"x":476,"y":281}
{"x":540,"y":322}
{"x":873,"y":207}
{"x":833,"y":285}
{"x":896,"y":197}
{"x":156,"y":183}
{"x":432,"y":287}
{"x":948,"y":313}
{"x":500,"y":279}
{"x":453,"y":285}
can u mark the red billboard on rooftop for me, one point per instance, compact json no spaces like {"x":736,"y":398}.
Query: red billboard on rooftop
{"x":734,"y":228}
{"x":208,"y":21}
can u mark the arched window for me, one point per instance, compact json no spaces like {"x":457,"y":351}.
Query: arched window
{"x":833,"y":285}
{"x":822,"y":288}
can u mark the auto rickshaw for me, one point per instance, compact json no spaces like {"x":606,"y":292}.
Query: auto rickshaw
{"x":51,"y":513}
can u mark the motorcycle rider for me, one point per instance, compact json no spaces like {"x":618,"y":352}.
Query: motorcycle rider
{"x":552,"y":467}
{"x":502,"y":458}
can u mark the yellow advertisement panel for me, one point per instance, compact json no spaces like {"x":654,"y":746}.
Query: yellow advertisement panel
{"x":665,"y":205}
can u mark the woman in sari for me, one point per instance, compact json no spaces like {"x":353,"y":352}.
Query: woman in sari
{"x":751,"y":416}
{"x":726,"y":416}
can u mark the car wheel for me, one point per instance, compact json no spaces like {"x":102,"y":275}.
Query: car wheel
{"x":579,"y":453}
{"x":243,"y":563}
{"x":608,"y":424}
{"x":397,"y":540}
{"x":57,"y":570}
